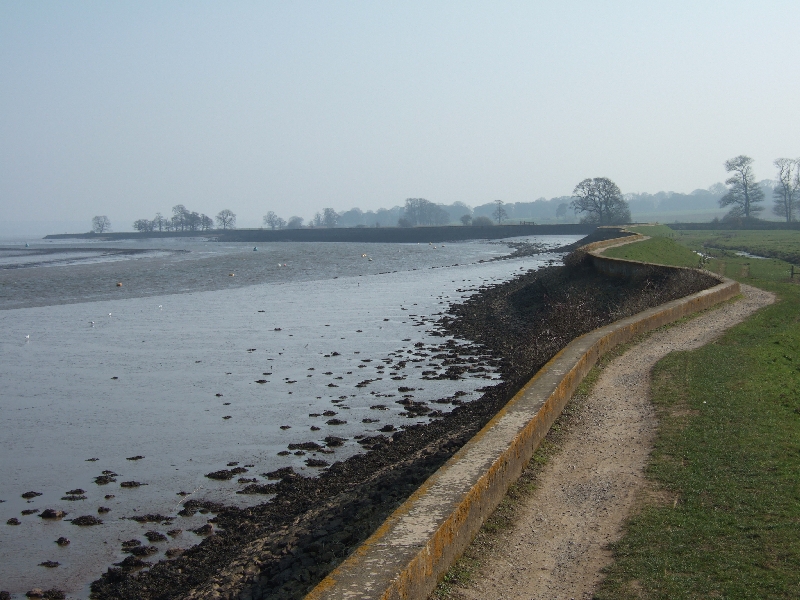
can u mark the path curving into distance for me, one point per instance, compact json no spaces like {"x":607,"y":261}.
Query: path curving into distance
{"x":558,"y":545}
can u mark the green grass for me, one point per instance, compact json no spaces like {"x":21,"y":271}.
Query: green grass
{"x":659,"y":250}
{"x":728,"y":454}
{"x":725,"y":519}
{"x":779,"y":244}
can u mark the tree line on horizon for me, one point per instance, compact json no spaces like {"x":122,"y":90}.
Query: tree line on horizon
{"x":182,"y":220}
{"x":593,"y":200}
{"x":597,"y":200}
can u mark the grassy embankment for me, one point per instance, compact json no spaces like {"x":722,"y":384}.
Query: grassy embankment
{"x":727,"y":453}
{"x":728,"y":445}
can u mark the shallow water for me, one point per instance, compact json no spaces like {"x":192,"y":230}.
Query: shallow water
{"x":113,"y":372}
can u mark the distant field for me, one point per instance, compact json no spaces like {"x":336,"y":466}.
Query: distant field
{"x":781,"y":244}
{"x":683,"y":216}
{"x":727,"y":452}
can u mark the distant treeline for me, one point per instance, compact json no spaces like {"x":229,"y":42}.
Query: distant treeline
{"x":598,"y":200}
{"x":183,"y":219}
{"x":542,"y":210}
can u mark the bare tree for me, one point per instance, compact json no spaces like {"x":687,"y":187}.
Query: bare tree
{"x":179,"y":216}
{"x":482,"y":221}
{"x":787,"y":192}
{"x":271,"y":219}
{"x":226,"y":219}
{"x":101,"y":224}
{"x":206,"y":222}
{"x":465,"y":219}
{"x":158,"y":221}
{"x":561,"y":211}
{"x":317,"y":220}
{"x":295,"y":223}
{"x":499,"y":212}
{"x":329,"y":217}
{"x":601,"y":200}
{"x":743,"y":192}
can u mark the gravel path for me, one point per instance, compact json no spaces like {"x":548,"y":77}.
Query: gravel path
{"x":557,"y":547}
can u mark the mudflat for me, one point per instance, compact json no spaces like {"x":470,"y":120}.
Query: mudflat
{"x":280,"y":549}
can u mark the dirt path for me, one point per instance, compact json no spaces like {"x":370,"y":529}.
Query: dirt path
{"x":558,"y":546}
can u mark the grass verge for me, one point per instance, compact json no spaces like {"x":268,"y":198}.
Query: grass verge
{"x":727,"y":453}
{"x":728,"y":450}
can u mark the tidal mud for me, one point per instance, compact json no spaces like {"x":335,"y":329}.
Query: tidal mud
{"x":280,"y":549}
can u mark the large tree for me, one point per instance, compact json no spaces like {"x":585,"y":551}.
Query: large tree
{"x":787,"y":193}
{"x":601,"y":201}
{"x":159,"y":221}
{"x":193,"y":220}
{"x":419,"y":211}
{"x":101,"y":224}
{"x":179,"y":213}
{"x":143,"y":225}
{"x":744,"y":193}
{"x":329,"y":217}
{"x":226,"y":219}
{"x":271,"y":219}
{"x":295,"y":223}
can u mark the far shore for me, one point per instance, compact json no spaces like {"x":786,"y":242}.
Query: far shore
{"x":385,"y":235}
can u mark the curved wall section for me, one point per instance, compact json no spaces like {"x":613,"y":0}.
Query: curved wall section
{"x":409,"y":553}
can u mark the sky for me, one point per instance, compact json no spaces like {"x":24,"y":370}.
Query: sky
{"x":129,"y":108}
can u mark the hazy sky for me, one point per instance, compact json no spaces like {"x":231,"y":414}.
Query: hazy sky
{"x":128,"y":108}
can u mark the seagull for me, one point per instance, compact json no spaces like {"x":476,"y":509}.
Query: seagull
{"x":109,"y":314}
{"x":91,"y":323}
{"x":160,"y":307}
{"x":27,"y":337}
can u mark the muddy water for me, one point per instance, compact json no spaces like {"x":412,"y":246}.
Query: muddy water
{"x":194,"y":370}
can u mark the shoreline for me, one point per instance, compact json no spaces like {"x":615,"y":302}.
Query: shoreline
{"x":383,"y":235}
{"x":280,"y":549}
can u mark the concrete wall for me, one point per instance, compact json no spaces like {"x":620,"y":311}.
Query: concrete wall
{"x":410,"y":552}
